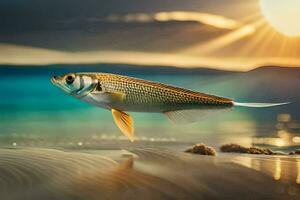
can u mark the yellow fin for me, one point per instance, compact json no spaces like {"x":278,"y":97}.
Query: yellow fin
{"x":124,"y":122}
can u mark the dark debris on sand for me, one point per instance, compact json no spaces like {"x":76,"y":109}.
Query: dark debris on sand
{"x":235,"y":148}
{"x":201,"y":149}
{"x":296,"y":152}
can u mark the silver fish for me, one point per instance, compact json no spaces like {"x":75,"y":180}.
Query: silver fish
{"x":121,"y":94}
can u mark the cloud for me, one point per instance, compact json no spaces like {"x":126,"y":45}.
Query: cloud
{"x":24,"y":55}
{"x":217,"y":21}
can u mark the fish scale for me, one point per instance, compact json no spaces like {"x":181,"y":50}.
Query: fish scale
{"x":157,"y":96}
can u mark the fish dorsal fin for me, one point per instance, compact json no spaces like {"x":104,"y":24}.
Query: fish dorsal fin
{"x":191,"y":115}
{"x":124,"y":122}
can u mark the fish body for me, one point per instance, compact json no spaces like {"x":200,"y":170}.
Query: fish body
{"x":139,"y":95}
{"x":122,"y":94}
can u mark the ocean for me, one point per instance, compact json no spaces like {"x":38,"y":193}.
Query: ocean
{"x":36,"y":113}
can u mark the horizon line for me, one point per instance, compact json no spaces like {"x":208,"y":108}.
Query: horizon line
{"x":18,"y":55}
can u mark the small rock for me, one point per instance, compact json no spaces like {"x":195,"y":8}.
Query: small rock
{"x":295,"y":152}
{"x":235,"y":148}
{"x":202,"y":149}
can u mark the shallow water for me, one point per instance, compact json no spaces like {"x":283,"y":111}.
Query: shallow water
{"x":36,"y":113}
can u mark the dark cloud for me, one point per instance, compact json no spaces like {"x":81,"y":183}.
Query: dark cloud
{"x":22,"y":15}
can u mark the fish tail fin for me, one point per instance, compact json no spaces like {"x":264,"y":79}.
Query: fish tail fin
{"x":259,"y":105}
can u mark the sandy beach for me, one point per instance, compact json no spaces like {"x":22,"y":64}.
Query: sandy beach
{"x":144,"y":173}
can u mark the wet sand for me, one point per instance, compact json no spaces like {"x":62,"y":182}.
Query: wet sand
{"x":144,"y":173}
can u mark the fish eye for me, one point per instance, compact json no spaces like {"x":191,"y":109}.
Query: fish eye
{"x":70,"y":79}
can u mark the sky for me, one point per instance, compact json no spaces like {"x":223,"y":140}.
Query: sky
{"x":224,"y":34}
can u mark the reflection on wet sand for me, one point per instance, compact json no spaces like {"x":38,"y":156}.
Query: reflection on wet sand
{"x":282,"y":168}
{"x":298,"y":176}
{"x":36,"y":173}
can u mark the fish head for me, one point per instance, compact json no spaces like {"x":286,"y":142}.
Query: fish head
{"x":75,"y":84}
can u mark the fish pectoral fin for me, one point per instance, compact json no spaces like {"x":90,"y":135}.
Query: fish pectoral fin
{"x":124,"y":122}
{"x":191,"y":115}
{"x":107,"y":97}
{"x":118,"y":96}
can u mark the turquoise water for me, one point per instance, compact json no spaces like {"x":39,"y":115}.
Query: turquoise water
{"x":33,"y":111}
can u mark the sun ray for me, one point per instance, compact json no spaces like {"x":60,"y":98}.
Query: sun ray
{"x":265,"y":45}
{"x":224,"y":40}
{"x":283,"y":46}
{"x":253,"y":43}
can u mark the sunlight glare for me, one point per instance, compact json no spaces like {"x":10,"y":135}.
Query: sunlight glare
{"x":277,"y":173}
{"x":283,"y":15}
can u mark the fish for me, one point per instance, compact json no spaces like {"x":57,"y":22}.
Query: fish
{"x":122,"y":94}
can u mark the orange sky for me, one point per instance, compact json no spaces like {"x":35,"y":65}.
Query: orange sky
{"x":170,"y":38}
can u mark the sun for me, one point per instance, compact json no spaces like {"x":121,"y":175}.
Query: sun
{"x":283,"y":15}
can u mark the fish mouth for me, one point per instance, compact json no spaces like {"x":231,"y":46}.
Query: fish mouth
{"x":57,"y":81}
{"x":54,"y":80}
